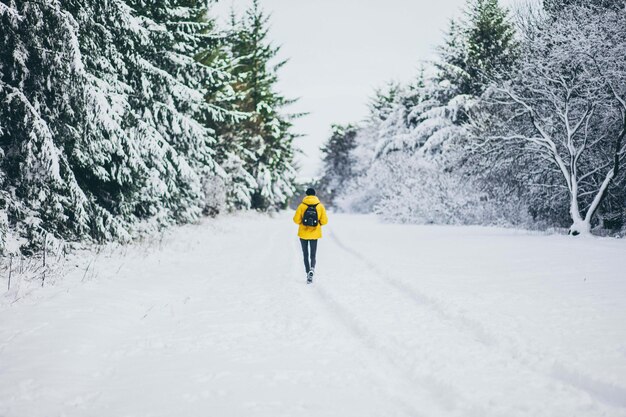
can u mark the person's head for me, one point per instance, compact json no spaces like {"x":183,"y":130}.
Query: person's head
{"x":310,"y":191}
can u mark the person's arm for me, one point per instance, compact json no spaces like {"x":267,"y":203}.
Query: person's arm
{"x":297,"y":218}
{"x":323,"y":216}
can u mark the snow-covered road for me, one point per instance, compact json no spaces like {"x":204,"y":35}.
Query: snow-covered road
{"x":401,"y":321}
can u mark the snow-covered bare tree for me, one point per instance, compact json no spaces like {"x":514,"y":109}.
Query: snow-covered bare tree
{"x":554,"y":7}
{"x":565,"y":104}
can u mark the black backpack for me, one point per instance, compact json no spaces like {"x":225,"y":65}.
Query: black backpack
{"x":310,"y":216}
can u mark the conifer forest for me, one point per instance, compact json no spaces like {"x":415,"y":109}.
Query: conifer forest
{"x":122,"y":116}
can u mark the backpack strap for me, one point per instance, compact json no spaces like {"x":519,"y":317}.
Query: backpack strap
{"x":311,"y":205}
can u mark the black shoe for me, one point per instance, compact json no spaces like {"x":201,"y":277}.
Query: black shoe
{"x":309,"y":277}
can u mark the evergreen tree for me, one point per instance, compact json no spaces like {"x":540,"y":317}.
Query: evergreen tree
{"x":477,"y":49}
{"x":384,"y":100}
{"x":263,"y":141}
{"x":171,"y":107}
{"x":452,"y":64}
{"x":110,"y":158}
{"x":338,"y":160}
{"x":39,"y":69}
{"x":490,"y":44}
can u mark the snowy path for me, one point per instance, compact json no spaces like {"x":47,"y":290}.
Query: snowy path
{"x":402,"y":321}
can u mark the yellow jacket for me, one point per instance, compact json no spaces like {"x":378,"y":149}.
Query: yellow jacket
{"x":309,"y":232}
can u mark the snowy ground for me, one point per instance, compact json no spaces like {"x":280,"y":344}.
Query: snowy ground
{"x":402,"y":321}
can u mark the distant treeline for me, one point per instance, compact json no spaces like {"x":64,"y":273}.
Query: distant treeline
{"x":521,"y":121}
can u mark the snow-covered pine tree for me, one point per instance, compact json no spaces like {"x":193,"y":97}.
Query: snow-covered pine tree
{"x":476,"y":48}
{"x":170,"y":105}
{"x":491,"y":44}
{"x":170,"y":115}
{"x":106,"y":153}
{"x":39,"y":69}
{"x":105,"y":121}
{"x":384,"y":101}
{"x":231,"y":153}
{"x":474,"y":51}
{"x":451,"y":68}
{"x":144,"y":150}
{"x":426,"y":116}
{"x":264,"y":141}
{"x":338,"y":161}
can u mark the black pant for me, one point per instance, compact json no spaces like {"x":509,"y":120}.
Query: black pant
{"x":305,"y":251}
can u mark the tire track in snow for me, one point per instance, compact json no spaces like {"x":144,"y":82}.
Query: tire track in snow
{"x":340,"y":319}
{"x":437,"y":394}
{"x":429,"y":390}
{"x":475,"y":328}
{"x":297,"y":268}
{"x":528,"y":357}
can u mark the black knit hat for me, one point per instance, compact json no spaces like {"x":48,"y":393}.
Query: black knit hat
{"x":310,"y":191}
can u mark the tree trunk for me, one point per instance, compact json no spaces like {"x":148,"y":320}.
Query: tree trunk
{"x":579,"y":225}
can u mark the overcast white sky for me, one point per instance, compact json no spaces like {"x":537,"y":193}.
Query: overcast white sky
{"x":341,"y":50}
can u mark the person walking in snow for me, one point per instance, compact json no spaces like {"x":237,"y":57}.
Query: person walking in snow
{"x":310,"y":217}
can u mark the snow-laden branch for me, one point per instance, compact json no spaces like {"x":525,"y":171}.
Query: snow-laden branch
{"x":7,"y":10}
